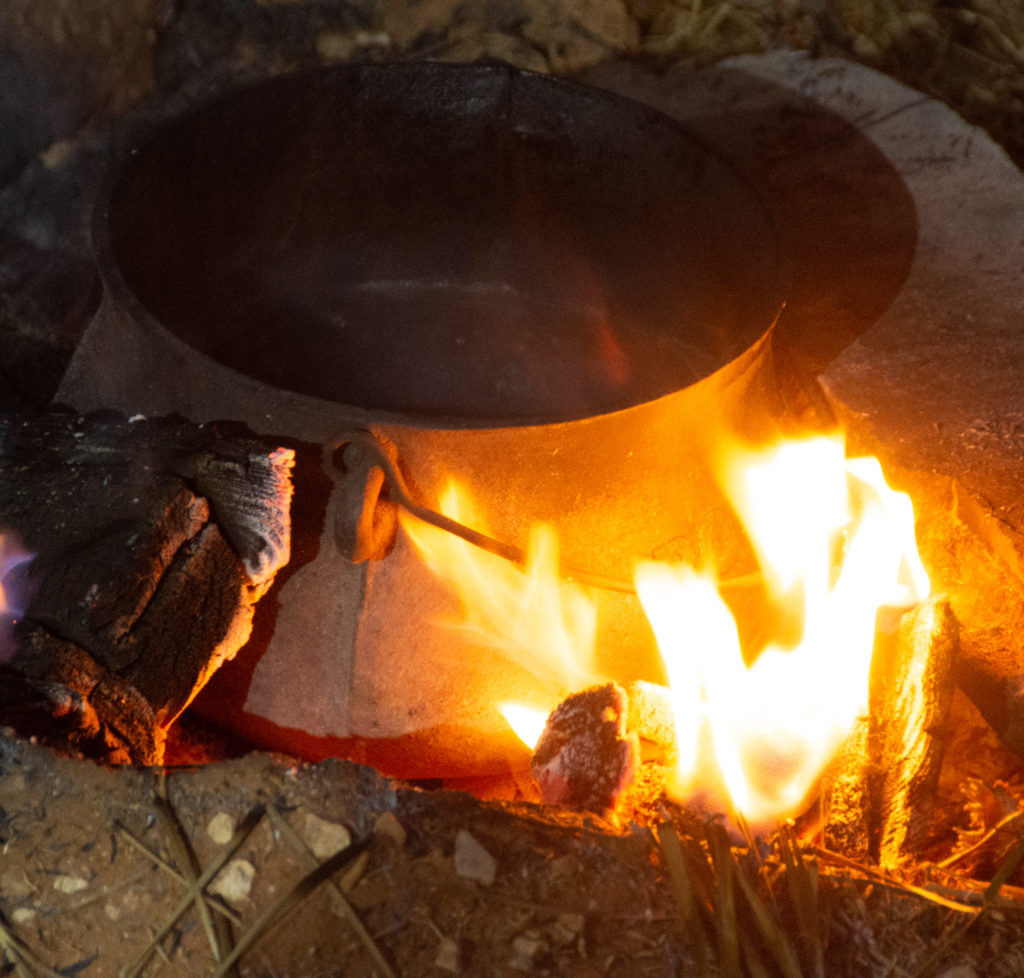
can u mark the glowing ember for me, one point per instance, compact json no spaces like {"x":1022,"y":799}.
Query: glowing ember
{"x":754,"y":725}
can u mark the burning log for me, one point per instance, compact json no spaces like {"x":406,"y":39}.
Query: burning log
{"x":911,"y":694}
{"x":879,"y":792}
{"x":153,"y":541}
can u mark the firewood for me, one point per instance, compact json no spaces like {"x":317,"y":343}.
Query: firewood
{"x":152,"y":543}
{"x":912,"y":686}
{"x":845,"y":804}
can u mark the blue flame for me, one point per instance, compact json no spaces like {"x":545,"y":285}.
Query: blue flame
{"x":14,"y":562}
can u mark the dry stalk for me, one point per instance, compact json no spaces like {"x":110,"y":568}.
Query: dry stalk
{"x":304,"y":888}
{"x":157,"y":860}
{"x":241,"y":834}
{"x":290,"y":836}
{"x":22,"y":958}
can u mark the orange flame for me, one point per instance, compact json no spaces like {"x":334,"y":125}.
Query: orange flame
{"x":834,"y":545}
{"x":837,"y":543}
{"x":529,"y":615}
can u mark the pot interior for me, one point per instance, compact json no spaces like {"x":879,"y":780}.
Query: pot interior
{"x":459,"y":241}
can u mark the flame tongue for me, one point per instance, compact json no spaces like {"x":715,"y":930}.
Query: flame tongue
{"x":760,"y":706}
{"x":834,"y":539}
{"x":528,"y":615}
{"x":12,"y":591}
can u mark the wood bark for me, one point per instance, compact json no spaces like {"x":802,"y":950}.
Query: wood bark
{"x":152,"y":541}
{"x":878,"y":793}
{"x":912,"y":688}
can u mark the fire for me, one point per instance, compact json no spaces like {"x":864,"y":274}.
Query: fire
{"x":756,"y":719}
{"x":835,"y":546}
{"x":525,"y":721}
{"x":12,"y":599}
{"x":529,"y":615}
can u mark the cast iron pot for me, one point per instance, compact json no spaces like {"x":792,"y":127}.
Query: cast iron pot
{"x":555,"y":295}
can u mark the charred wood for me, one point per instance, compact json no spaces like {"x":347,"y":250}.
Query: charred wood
{"x":152,"y":541}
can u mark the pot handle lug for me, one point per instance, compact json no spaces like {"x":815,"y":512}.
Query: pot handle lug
{"x":365,"y":521}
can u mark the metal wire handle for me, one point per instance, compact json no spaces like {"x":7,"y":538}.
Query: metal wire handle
{"x":400,"y":494}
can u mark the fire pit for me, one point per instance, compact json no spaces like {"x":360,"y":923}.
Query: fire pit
{"x":930,"y":633}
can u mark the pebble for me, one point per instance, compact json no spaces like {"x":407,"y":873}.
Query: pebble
{"x":448,"y":958}
{"x":69,"y":884}
{"x":387,"y":826}
{"x":324,"y":838}
{"x":221,"y":828}
{"x":472,"y":860}
{"x":234,"y":881}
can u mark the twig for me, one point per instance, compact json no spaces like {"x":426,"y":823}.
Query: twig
{"x":671,"y":851}
{"x":241,"y":834}
{"x":289,"y":834}
{"x":221,"y":908}
{"x":302,"y":889}
{"x":218,"y":932}
{"x":1004,"y":823}
{"x":1005,"y":871}
{"x":725,"y":909}
{"x":802,"y":883}
{"x":22,"y":957}
{"x":881,"y":878}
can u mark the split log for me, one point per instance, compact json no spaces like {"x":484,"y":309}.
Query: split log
{"x":879,"y":792}
{"x":912,"y":685}
{"x":845,"y":802}
{"x":152,"y":543}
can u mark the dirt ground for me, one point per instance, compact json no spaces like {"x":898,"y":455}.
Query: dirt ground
{"x":436,"y":882}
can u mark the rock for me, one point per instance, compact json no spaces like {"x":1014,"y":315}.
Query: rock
{"x":472,"y":860}
{"x":221,"y":828}
{"x":387,"y":826}
{"x":526,"y":947}
{"x":448,"y":957}
{"x":325,"y":838}
{"x":234,"y":881}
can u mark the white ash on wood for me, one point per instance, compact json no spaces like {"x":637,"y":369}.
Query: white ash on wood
{"x":153,"y":541}
{"x":585,"y":757}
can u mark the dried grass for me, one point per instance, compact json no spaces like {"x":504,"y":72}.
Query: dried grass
{"x":969,"y":54}
{"x":777,"y":909}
